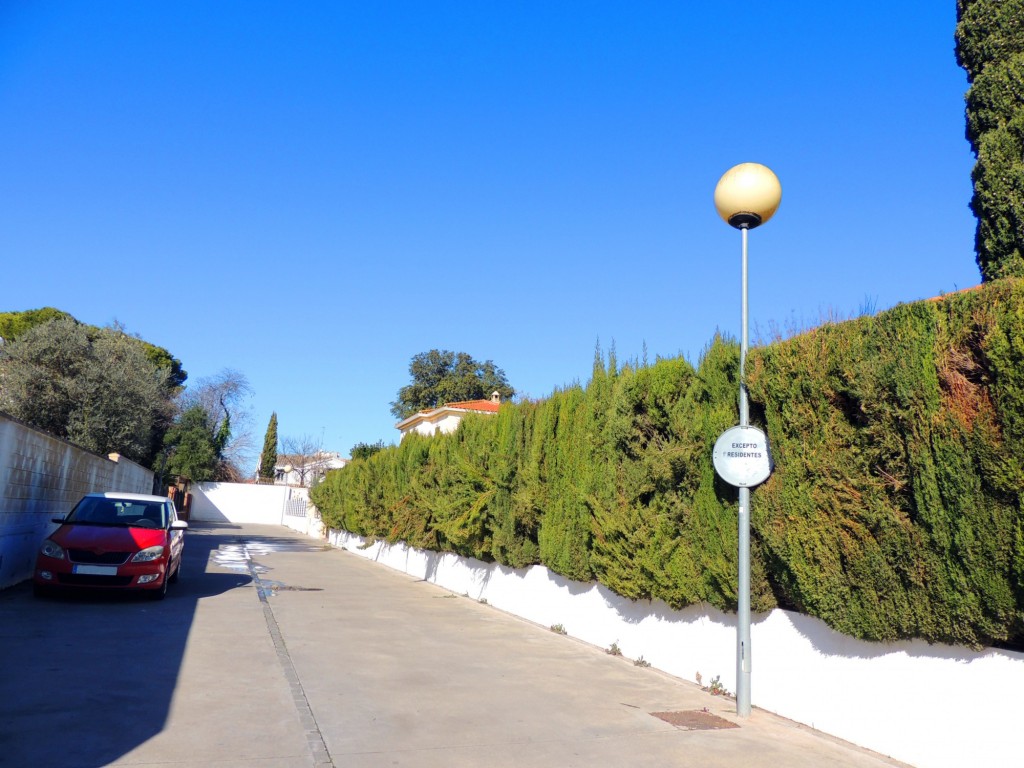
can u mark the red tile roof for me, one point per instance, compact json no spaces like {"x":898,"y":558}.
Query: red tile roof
{"x":475,"y":405}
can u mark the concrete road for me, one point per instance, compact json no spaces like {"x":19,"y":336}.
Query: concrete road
{"x":276,"y":652}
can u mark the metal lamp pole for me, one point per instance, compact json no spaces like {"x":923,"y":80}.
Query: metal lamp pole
{"x":743,"y":586}
{"x":747,"y":196}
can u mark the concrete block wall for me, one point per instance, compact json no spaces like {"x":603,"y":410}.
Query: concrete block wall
{"x":42,"y":477}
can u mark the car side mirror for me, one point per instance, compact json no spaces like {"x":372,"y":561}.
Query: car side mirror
{"x":179,"y":525}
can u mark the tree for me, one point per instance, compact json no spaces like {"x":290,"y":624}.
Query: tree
{"x":125,"y":405}
{"x":14,"y":324}
{"x":94,"y":387}
{"x":990,"y":47}
{"x":268,"y":458}
{"x":442,"y":376}
{"x":193,"y":448}
{"x":366,"y":450}
{"x":305,"y":455}
{"x":38,"y":375}
{"x":224,"y":398}
{"x":161,"y":358}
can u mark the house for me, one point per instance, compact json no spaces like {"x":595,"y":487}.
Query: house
{"x":305,"y":470}
{"x":446,"y":418}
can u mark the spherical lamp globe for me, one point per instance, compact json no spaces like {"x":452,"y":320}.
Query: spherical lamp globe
{"x":748,"y":195}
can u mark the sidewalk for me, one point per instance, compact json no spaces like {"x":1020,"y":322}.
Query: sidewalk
{"x":306,"y":655}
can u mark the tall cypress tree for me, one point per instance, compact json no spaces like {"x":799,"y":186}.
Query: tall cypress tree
{"x":990,"y":47}
{"x":268,"y":459}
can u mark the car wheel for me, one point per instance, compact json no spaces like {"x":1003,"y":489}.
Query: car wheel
{"x":161,"y":593}
{"x":38,"y":590}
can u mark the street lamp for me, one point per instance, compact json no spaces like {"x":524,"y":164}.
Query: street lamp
{"x":747,"y":196}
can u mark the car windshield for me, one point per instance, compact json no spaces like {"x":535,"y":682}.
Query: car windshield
{"x":96,"y":510}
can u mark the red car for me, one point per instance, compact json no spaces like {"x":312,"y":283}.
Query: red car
{"x":113,"y":541}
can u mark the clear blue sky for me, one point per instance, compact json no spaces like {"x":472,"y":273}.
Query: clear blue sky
{"x":312,"y":193}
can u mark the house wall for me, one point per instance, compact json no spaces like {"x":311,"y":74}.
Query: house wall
{"x":315,"y":468}
{"x":446,"y":422}
{"x":931,"y":706}
{"x":42,"y":477}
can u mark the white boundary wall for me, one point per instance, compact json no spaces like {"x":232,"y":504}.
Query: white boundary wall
{"x":927,"y":705}
{"x":42,"y":477}
{"x":251,"y":503}
{"x":239,"y":503}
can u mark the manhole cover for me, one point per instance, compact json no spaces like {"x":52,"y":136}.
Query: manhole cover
{"x":695,"y":720}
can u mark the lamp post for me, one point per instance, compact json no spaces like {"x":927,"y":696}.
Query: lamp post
{"x":747,"y":196}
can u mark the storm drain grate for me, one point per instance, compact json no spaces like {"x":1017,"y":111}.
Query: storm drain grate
{"x":695,"y":720}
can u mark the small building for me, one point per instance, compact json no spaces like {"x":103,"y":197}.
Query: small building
{"x":446,"y":418}
{"x":305,"y":470}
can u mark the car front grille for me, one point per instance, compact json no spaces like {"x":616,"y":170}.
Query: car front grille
{"x":88,"y":580}
{"x":93,"y":558}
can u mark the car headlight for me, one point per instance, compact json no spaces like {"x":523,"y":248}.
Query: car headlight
{"x":52,"y":549}
{"x":149,"y":554}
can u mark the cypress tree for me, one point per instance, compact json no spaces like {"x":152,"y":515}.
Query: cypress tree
{"x":896,"y":508}
{"x":268,"y":459}
{"x":990,"y":47}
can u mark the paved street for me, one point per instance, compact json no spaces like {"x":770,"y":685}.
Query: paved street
{"x":274,"y":651}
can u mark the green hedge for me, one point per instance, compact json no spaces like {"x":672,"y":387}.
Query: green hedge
{"x":894,"y":510}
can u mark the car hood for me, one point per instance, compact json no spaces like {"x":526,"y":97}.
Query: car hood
{"x":108,"y":538}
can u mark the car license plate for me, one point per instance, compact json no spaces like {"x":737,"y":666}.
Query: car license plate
{"x":96,"y":570}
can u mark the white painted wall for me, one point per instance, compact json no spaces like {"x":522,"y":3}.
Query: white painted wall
{"x":42,"y":477}
{"x":310,"y":524}
{"x":443,"y":421}
{"x":239,"y":503}
{"x":250,"y":503}
{"x":931,"y":706}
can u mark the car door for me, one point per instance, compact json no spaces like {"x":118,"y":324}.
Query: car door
{"x":177,"y":536}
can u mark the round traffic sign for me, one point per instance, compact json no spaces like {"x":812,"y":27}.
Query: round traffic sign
{"x":741,"y":456}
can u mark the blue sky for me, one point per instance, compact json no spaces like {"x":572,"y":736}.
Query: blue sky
{"x":312,"y":193}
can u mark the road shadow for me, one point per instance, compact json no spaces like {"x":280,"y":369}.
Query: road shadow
{"x":89,"y":677}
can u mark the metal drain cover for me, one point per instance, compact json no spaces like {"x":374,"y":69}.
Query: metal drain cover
{"x":695,"y":720}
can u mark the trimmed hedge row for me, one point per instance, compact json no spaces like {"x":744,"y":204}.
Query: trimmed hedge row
{"x":894,"y":511}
